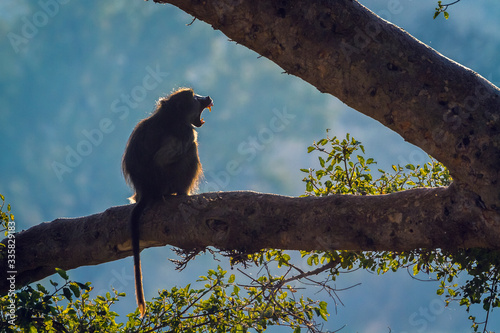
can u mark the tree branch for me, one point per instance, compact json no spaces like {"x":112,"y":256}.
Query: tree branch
{"x":375,"y":67}
{"x":249,"y":221}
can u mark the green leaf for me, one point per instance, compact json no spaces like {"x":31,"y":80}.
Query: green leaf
{"x":84,"y":286}
{"x":67,"y":293}
{"x":62,"y":273}
{"x":41,"y":288}
{"x":74,"y":288}
{"x":322,"y":142}
{"x":323,"y":305}
{"x":416,"y":269}
{"x":321,"y":162}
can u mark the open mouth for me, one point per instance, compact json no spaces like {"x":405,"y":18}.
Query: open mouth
{"x":205,"y":103}
{"x":209,"y":107}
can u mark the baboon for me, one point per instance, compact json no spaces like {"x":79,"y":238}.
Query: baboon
{"x":161,"y":159}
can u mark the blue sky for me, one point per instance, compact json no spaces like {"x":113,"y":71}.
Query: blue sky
{"x":73,"y":69}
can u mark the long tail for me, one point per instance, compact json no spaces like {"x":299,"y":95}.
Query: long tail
{"x":135,"y":229}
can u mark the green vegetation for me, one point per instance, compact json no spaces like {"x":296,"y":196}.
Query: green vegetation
{"x":221,"y":305}
{"x":240,"y":302}
{"x":443,"y":9}
{"x":5,"y":216}
{"x":346,"y":174}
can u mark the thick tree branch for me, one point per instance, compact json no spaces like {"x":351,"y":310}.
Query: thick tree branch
{"x":375,"y":67}
{"x":345,"y":50}
{"x":249,"y":221}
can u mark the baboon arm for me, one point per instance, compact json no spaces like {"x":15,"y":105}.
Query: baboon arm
{"x":170,"y":152}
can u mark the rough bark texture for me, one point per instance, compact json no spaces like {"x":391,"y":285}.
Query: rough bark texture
{"x":249,"y":221}
{"x":377,"y":68}
{"x":373,"y":66}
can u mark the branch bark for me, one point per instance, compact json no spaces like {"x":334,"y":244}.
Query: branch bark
{"x":248,"y":221}
{"x":373,"y":66}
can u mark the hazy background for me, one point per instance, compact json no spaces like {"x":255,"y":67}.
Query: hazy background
{"x":76,"y":76}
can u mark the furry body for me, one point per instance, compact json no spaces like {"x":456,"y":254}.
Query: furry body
{"x":161,"y":159}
